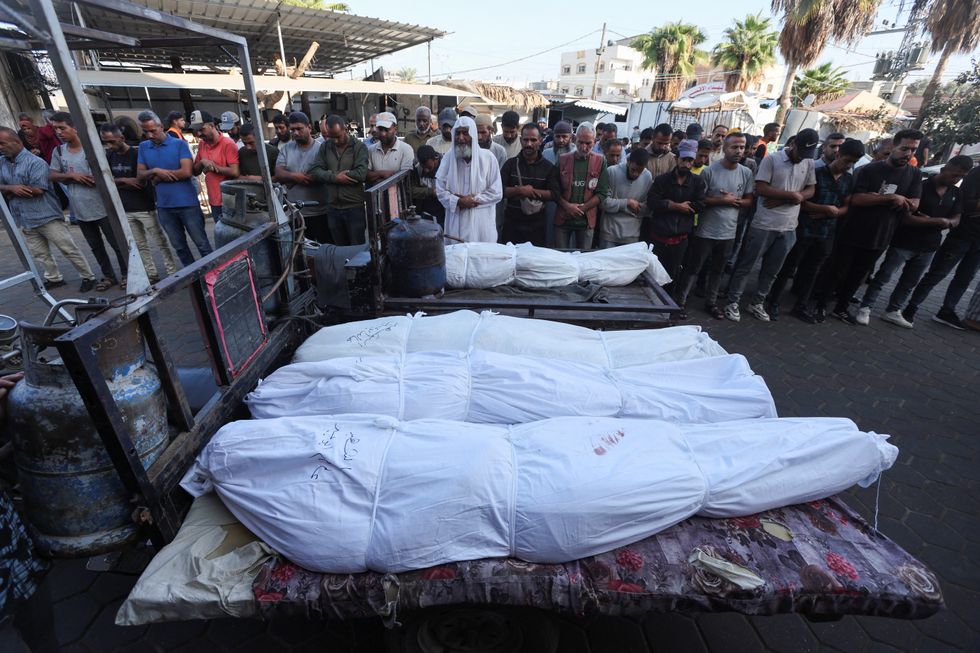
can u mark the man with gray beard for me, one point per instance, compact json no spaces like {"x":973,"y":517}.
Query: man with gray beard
{"x":468,"y":185}
{"x":561,"y":142}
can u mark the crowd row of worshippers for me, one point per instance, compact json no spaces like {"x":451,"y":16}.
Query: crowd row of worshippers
{"x":708,"y":206}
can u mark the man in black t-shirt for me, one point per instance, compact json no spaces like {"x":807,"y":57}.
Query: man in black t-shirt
{"x":916,"y":240}
{"x":884,"y":192}
{"x":137,"y":200}
{"x":529,"y":180}
{"x":960,"y":250}
{"x":248,"y":155}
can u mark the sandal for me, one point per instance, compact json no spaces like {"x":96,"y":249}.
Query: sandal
{"x":122,"y":282}
{"x":105,"y":284}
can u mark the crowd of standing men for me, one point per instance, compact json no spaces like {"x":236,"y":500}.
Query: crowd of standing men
{"x":819,"y":215}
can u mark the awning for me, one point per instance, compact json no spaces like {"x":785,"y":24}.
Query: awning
{"x":345,"y":39}
{"x":598,"y":107}
{"x":267,"y":83}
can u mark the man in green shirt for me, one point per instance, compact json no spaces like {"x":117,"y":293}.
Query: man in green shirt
{"x":584,"y":184}
{"x":341,"y":165}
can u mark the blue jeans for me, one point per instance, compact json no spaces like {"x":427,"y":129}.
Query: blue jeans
{"x":772,"y":247}
{"x":347,"y":226}
{"x":216,"y":213}
{"x":175,"y":220}
{"x":913,"y":266}
{"x":959,"y":253}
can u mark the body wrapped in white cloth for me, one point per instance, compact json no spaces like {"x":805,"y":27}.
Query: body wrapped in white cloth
{"x":359,"y":492}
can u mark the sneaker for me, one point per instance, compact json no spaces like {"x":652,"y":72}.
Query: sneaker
{"x":681,"y":314}
{"x":758,"y":312}
{"x":54,"y":284}
{"x":949,"y":318}
{"x":87,"y":285}
{"x":773,"y":311}
{"x":820,"y":314}
{"x":715,"y":311}
{"x":800,"y":313}
{"x":909,"y":313}
{"x":863,"y":316}
{"x":896,"y":318}
{"x":731,"y":312}
{"x":844,"y":316}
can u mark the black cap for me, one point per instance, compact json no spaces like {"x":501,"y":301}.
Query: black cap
{"x":806,"y":142}
{"x":694,"y":131}
{"x":298,"y":116}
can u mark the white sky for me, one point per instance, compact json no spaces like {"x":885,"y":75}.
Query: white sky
{"x":488,"y":36}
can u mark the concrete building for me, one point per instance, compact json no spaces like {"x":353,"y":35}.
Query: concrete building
{"x":621,"y":77}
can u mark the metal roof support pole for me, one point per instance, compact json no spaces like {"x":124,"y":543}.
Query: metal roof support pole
{"x":137,"y":281}
{"x":253,"y":107}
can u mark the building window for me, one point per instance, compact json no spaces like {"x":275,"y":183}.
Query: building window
{"x":612,"y":66}
{"x":580,"y":54}
{"x":578,"y":90}
{"x":602,"y":66}
{"x":564,"y":91}
{"x":628,"y":66}
{"x":580,"y":68}
{"x":566,"y":70}
{"x":769,"y":88}
{"x":646,"y":81}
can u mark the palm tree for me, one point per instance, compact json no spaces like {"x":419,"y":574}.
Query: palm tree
{"x":809,"y":24}
{"x":823,"y":81}
{"x":672,"y":50}
{"x":320,"y":4}
{"x":749,"y":47}
{"x":955,"y":27}
{"x":406,"y":74}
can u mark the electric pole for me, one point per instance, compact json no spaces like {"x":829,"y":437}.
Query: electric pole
{"x":598,"y":52}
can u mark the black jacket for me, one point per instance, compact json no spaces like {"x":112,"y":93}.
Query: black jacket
{"x":664,"y":222}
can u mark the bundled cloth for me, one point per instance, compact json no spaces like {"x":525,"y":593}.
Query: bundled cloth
{"x":485,"y":265}
{"x":492,"y":388}
{"x":486,"y":331}
{"x":361,"y":492}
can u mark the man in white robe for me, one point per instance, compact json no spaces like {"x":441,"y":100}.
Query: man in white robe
{"x":468,"y":185}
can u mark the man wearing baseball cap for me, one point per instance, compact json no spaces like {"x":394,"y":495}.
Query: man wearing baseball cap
{"x":389,"y":155}
{"x":217,"y":158}
{"x":443,"y":141}
{"x":675,"y":198}
{"x":229,"y":124}
{"x":561,"y":141}
{"x":784,"y":181}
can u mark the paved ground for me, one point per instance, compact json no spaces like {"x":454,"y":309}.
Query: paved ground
{"x":920,"y":386}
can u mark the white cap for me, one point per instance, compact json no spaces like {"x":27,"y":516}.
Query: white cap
{"x":386,"y":120}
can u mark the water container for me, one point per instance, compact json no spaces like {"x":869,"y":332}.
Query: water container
{"x":74,"y":500}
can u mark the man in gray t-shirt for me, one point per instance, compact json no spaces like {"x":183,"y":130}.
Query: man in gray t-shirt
{"x":292,"y":166}
{"x":70,"y":167}
{"x":729,"y":190}
{"x":785,"y":180}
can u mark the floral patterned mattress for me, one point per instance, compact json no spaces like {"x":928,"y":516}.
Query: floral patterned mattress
{"x":819,"y":558}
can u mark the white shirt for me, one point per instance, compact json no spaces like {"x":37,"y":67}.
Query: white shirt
{"x":399,"y":157}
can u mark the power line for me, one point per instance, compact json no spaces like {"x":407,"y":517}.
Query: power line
{"x":518,"y":60}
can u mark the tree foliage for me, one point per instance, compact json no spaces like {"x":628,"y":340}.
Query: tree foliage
{"x":672,"y":50}
{"x":823,"y":81}
{"x":749,"y":47}
{"x":406,"y":74}
{"x":954,"y":117}
{"x":809,"y":24}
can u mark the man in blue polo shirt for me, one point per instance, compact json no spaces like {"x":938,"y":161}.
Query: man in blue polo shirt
{"x":166,"y":162}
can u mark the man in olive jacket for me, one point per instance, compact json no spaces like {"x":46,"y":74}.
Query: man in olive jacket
{"x":342,"y":165}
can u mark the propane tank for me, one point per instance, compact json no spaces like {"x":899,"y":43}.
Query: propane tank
{"x":416,"y":257}
{"x":74,"y":500}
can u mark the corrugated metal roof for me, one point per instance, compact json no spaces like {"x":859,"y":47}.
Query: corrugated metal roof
{"x":268,"y":83}
{"x":600,"y":107}
{"x":345,"y":39}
